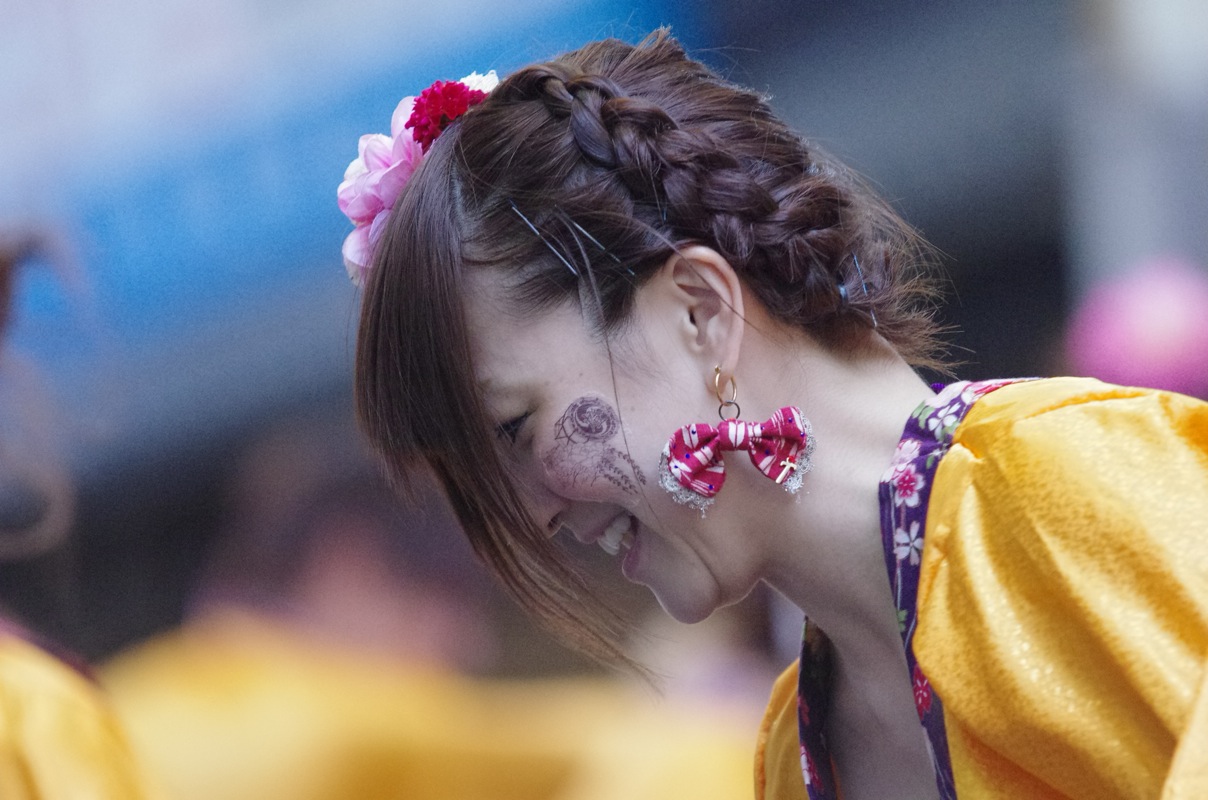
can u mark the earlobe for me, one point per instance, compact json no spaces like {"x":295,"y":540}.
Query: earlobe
{"x":712,"y":296}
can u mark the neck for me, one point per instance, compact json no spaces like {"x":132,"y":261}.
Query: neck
{"x":823,"y":549}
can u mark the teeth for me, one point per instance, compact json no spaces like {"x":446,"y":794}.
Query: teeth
{"x":615,"y":534}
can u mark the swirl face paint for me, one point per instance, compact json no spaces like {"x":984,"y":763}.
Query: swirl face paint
{"x":584,"y":452}
{"x":588,"y":419}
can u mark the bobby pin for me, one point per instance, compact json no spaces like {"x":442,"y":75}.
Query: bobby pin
{"x":597,"y":243}
{"x":864,"y":285}
{"x":593,"y":240}
{"x":544,"y":241}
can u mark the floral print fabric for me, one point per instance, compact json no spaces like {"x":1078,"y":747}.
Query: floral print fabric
{"x":904,"y":491}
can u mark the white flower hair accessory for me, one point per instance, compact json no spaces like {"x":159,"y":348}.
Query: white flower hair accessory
{"x":376,"y":177}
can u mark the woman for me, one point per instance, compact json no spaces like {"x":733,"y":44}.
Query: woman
{"x":560,"y":307}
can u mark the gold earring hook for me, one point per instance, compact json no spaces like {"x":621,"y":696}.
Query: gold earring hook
{"x":723,"y":403}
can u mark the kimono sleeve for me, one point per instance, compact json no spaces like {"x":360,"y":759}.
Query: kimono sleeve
{"x":1063,"y":602}
{"x":777,"y":751}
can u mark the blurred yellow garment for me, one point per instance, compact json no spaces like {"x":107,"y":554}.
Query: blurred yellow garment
{"x":234,"y":706}
{"x":1063,"y":600}
{"x":777,"y":759}
{"x":649,"y":751}
{"x":58,"y":740}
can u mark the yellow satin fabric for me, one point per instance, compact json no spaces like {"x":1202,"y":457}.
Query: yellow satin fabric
{"x":58,"y":740}
{"x":236,"y":707}
{"x":1063,"y":598}
{"x":1063,"y":602}
{"x":777,"y":752}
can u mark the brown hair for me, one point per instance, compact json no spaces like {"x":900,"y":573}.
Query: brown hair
{"x":641,"y":150}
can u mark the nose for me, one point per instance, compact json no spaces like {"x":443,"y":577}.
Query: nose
{"x":547,"y":508}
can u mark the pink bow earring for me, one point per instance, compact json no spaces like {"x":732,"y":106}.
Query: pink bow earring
{"x":693,"y":472}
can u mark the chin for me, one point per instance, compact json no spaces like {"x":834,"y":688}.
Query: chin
{"x":684,"y":608}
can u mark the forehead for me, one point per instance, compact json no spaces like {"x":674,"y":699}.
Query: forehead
{"x":514,"y":348}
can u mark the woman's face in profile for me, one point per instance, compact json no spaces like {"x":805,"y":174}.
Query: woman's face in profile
{"x":587,"y":433}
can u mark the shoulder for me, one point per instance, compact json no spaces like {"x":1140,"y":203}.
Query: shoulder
{"x":1080,"y":407}
{"x":1065,"y":577}
{"x":1076,"y":464}
{"x":1050,"y":444}
{"x":58,"y":728}
{"x":29,"y":673}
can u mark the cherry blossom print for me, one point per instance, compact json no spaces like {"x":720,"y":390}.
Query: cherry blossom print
{"x":945,"y":422}
{"x":907,"y":483}
{"x":922,"y":692}
{"x":907,"y":452}
{"x":908,"y":544}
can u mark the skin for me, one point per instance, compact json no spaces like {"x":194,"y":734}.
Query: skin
{"x":820,"y":548}
{"x":586,"y":437}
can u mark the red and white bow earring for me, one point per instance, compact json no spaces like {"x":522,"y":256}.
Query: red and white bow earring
{"x":692,"y":470}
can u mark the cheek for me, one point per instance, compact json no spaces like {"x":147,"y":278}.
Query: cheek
{"x":588,"y":469}
{"x":585,"y":456}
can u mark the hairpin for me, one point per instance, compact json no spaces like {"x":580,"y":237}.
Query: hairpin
{"x":616,"y":259}
{"x":544,"y":241}
{"x":593,"y":240}
{"x":873,"y":314}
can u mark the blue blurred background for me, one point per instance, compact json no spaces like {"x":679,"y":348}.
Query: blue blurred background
{"x":183,"y":157}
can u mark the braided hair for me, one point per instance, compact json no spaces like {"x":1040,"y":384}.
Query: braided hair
{"x":597,"y":166}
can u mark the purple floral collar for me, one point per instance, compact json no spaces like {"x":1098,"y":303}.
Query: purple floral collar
{"x":904,"y":493}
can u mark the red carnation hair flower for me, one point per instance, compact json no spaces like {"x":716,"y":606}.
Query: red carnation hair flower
{"x":437,"y":106}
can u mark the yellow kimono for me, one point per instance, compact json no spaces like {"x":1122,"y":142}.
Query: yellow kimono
{"x":1062,"y":606}
{"x":237,"y":706}
{"x":58,"y":740}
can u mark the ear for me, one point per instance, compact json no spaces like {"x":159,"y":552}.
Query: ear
{"x":709,"y":298}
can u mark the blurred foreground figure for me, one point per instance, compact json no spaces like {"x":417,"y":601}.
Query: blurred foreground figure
{"x":329,"y":655}
{"x":58,"y":740}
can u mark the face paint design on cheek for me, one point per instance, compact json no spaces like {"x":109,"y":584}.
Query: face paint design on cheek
{"x":583,"y":453}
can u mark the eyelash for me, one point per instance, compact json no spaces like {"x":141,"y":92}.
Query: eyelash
{"x":511,"y":428}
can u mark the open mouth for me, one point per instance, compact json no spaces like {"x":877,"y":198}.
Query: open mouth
{"x":618,"y":534}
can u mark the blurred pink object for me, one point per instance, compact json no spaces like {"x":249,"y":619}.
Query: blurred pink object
{"x":372,"y":182}
{"x":1148,"y":327}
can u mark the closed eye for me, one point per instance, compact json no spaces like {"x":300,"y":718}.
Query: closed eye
{"x":511,"y":428}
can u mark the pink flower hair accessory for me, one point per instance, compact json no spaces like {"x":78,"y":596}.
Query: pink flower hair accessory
{"x":376,"y":177}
